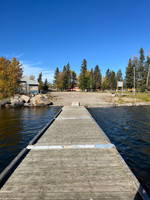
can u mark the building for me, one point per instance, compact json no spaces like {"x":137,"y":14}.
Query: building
{"x":28,"y":86}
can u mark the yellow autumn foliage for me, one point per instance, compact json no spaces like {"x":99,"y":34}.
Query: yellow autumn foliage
{"x":10,"y":75}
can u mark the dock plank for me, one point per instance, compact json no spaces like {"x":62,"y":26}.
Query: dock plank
{"x":68,"y":173}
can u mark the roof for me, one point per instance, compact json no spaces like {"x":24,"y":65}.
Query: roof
{"x":28,"y":81}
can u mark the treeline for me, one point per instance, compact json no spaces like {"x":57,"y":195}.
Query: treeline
{"x":142,"y":72}
{"x":93,"y":80}
{"x":66,"y":79}
{"x":10,"y":75}
{"x":87,"y":80}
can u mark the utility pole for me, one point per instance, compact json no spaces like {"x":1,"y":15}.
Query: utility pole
{"x":134,"y":81}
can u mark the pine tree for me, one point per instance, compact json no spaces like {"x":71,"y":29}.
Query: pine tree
{"x":83,"y":76}
{"x":119,"y":75}
{"x":108,"y":74}
{"x":65,"y":78}
{"x":45,"y":85}
{"x":56,"y":75}
{"x":142,"y":57}
{"x":92,"y":79}
{"x":68,"y":75}
{"x":148,"y":72}
{"x":40,"y":87}
{"x":113,"y":80}
{"x":129,"y":75}
{"x":141,"y":70}
{"x":97,"y":78}
{"x":73,"y":79}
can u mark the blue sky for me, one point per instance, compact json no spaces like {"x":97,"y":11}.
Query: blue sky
{"x":45,"y":34}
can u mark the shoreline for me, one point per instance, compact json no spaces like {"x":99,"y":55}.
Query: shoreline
{"x":87,"y":99}
{"x":90,"y":100}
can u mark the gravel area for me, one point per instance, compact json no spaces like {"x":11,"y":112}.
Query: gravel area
{"x":85,"y":98}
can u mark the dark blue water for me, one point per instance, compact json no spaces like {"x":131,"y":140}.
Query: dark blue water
{"x":129,"y":129}
{"x":18,"y":127}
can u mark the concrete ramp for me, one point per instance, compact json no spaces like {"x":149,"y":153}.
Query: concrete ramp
{"x":75,"y":104}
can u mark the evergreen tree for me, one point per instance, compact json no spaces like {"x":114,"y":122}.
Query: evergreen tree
{"x":97,"y":78}
{"x":65,"y":78}
{"x":68,"y":75}
{"x":45,"y":86}
{"x":73,"y":79}
{"x":56,"y":75}
{"x":148,"y":72}
{"x":92,"y":79}
{"x":83,"y":76}
{"x":142,"y":57}
{"x":129,"y":75}
{"x":119,"y":75}
{"x":40,"y":87}
{"x":141,"y":70}
{"x":108,"y":74}
{"x":113,"y":80}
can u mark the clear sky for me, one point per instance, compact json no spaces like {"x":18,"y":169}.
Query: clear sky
{"x":45,"y":34}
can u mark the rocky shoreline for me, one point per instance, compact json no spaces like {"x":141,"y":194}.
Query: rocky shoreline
{"x":18,"y":101}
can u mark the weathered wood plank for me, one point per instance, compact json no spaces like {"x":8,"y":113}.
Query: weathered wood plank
{"x":71,"y":174}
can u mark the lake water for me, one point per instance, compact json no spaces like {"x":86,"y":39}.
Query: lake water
{"x":18,"y":127}
{"x":127,"y":127}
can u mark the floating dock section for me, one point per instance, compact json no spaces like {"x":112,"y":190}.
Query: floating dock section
{"x":72,"y":160}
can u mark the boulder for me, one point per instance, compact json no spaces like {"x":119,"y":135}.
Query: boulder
{"x":17,"y":104}
{"x":21,"y":100}
{"x":14,"y":100}
{"x":39,"y":100}
{"x":7,"y":105}
{"x":3,"y":103}
{"x":26,"y":104}
{"x":25,"y":98}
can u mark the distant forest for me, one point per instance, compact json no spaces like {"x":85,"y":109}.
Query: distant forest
{"x":93,"y":80}
{"x":139,"y":67}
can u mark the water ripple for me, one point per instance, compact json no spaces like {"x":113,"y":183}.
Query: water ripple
{"x":18,"y":127}
{"x":129,"y":129}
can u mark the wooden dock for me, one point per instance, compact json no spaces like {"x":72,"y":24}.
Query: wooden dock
{"x":72,"y":160}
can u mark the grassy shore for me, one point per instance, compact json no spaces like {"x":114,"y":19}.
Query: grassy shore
{"x":138,"y":97}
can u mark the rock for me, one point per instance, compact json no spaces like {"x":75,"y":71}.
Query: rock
{"x":16,"y":104}
{"x":44,"y":95}
{"x":14,"y":100}
{"x":7,"y":105}
{"x":26,"y":104}
{"x":40,"y":100}
{"x":25,"y":98}
{"x":21,"y":100}
{"x":3,"y":103}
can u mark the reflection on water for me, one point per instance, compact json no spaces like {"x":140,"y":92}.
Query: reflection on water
{"x":18,"y":127}
{"x":129,"y":129}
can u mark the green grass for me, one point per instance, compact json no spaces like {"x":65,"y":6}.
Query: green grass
{"x":139,"y":96}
